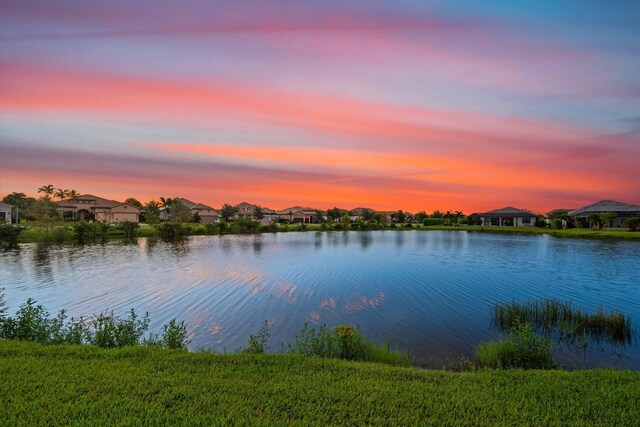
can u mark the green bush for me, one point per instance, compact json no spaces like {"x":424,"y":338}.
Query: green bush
{"x":633,"y":223}
{"x":111,"y":331}
{"x":170,"y":230}
{"x":9,"y":234}
{"x":432,"y":221}
{"x":258,"y":343}
{"x":89,"y":231}
{"x":128,"y":228}
{"x":32,"y":323}
{"x":522,"y":349}
{"x":174,"y":335}
{"x":345,"y":342}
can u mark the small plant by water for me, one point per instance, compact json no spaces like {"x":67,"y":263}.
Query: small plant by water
{"x":566,"y":323}
{"x":523,"y":348}
{"x":33,"y":323}
{"x":345,"y":342}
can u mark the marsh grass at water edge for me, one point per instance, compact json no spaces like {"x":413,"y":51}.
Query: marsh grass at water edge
{"x":566,"y":323}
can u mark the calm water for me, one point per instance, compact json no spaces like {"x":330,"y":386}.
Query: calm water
{"x":430,"y":292}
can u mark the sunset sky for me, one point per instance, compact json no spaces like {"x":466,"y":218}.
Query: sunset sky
{"x":391,"y":105}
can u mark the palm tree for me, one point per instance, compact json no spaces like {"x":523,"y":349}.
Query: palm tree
{"x":16,"y":199}
{"x":47,"y":190}
{"x":72,"y":195}
{"x":166,"y":204}
{"x":61,"y":194}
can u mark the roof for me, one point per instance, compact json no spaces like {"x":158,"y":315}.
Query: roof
{"x":606,"y":206}
{"x":509,"y":211}
{"x":559,"y":211}
{"x":200,"y":206}
{"x":360,"y":211}
{"x":6,"y":205}
{"x":99,"y":201}
{"x":186,"y":202}
{"x":297,"y":208}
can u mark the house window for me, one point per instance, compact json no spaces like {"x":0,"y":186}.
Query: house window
{"x":526,"y":220}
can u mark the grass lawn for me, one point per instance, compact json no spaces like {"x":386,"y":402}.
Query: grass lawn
{"x":80,"y":385}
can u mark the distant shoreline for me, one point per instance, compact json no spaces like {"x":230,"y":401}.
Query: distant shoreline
{"x":62,"y":233}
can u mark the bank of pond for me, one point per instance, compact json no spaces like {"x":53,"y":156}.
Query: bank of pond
{"x":531,"y":332}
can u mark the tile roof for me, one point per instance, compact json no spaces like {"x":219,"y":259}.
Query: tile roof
{"x":606,"y":206}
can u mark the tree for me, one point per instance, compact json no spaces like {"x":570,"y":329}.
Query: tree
{"x":367,"y":215}
{"x":436,"y":214}
{"x":180,"y":212}
{"x":61,"y":193}
{"x":420,"y":216}
{"x":607,"y":217}
{"x":44,"y":209}
{"x":318,"y":216}
{"x":18,"y":200}
{"x":381,"y":219}
{"x":633,"y":223}
{"x":73,"y":194}
{"x":399,"y":216}
{"x":133,"y":202}
{"x":47,"y":190}
{"x":334,"y":214}
{"x":228,"y":211}
{"x":258,"y":213}
{"x":152,"y":207}
{"x":595,"y":220}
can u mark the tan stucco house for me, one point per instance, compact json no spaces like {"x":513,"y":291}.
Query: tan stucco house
{"x":207,"y":214}
{"x":88,"y":206}
{"x":298,"y":215}
{"x":245,"y":210}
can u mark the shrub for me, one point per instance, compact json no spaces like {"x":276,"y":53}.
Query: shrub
{"x":89,"y":231}
{"x":258,"y":343}
{"x":633,"y":223}
{"x":170,"y":230}
{"x":522,"y":349}
{"x":60,"y":234}
{"x":174,"y":335}
{"x":345,"y":342}
{"x":9,"y":234}
{"x":128,"y":228}
{"x":432,"y":221}
{"x":111,"y":331}
{"x":244,"y":225}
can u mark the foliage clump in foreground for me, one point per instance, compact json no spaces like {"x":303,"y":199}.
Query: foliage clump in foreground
{"x":345,"y":342}
{"x":522,"y":349}
{"x":567,"y":324}
{"x":33,"y":323}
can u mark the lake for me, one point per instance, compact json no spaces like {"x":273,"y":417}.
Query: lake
{"x":429,"y":292}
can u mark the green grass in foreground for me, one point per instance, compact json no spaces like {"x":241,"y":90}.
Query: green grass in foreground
{"x":55,"y":385}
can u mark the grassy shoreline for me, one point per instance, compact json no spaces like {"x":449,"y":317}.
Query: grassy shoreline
{"x":36,"y":233}
{"x":54,"y":385}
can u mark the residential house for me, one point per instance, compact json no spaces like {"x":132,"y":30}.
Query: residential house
{"x":6,"y":213}
{"x":298,"y":215}
{"x":508,"y":216}
{"x":207,"y":214}
{"x":622,"y":211}
{"x":245,"y":210}
{"x":88,"y":206}
{"x":269,"y":216}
